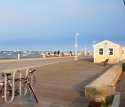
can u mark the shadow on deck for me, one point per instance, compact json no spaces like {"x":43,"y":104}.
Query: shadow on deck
{"x":81,"y":100}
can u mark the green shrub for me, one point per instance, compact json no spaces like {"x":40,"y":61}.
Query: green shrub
{"x":108,"y":101}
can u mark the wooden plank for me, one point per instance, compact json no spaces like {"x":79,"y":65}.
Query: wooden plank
{"x":16,"y":69}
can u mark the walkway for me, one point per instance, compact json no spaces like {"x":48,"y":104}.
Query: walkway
{"x":32,"y":62}
{"x":62,"y":84}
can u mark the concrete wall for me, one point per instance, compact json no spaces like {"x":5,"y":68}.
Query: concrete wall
{"x":104,"y":85}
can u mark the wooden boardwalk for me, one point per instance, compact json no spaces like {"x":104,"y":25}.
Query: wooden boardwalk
{"x":61,"y":85}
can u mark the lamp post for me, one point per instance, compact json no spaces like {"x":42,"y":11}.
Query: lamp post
{"x":76,"y":46}
{"x":94,"y":42}
{"x":85,"y":50}
{"x":18,"y":56}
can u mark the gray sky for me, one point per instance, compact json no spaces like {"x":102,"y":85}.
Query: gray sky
{"x":52,"y":24}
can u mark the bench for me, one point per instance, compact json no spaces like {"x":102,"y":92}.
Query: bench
{"x":105,"y":62}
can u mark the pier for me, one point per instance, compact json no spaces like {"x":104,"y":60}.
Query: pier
{"x":61,"y":84}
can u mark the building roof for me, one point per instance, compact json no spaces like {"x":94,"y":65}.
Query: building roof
{"x":106,"y":41}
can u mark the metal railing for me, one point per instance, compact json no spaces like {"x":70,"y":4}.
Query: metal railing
{"x":13,"y":85}
{"x":6,"y":80}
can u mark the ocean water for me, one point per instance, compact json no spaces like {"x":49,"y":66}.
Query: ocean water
{"x":14,"y":54}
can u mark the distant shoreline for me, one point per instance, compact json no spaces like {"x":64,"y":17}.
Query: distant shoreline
{"x":7,"y":55}
{"x":30,"y":58}
{"x":20,"y":58}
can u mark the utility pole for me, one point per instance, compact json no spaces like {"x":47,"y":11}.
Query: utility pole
{"x":76,"y":46}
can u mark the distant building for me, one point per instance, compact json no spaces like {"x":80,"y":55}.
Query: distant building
{"x":108,"y":50}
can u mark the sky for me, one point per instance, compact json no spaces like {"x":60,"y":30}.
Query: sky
{"x":52,"y":24}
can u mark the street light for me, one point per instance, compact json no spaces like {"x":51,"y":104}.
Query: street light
{"x":76,"y":45}
{"x":94,"y":42}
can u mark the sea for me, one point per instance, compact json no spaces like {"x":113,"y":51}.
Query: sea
{"x":14,"y":54}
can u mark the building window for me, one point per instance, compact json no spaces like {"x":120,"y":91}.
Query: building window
{"x":100,"y":51}
{"x":123,"y":52}
{"x":110,"y":51}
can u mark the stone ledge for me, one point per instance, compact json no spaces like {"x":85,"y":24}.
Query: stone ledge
{"x":104,"y":85}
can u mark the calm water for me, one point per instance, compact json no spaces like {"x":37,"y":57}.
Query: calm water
{"x":14,"y":54}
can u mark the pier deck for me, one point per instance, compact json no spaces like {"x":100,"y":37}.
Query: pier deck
{"x":61,"y":85}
